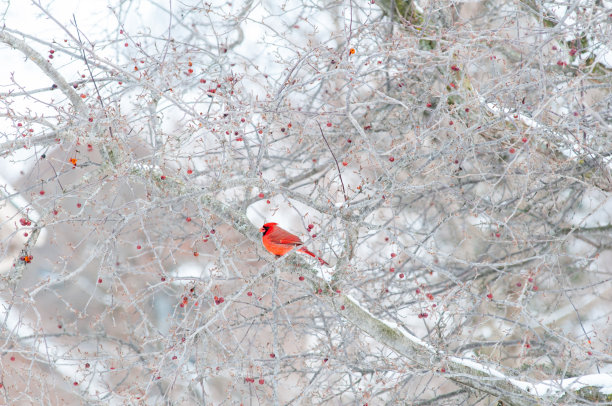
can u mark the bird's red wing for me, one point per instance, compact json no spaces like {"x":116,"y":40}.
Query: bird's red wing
{"x":284,"y":237}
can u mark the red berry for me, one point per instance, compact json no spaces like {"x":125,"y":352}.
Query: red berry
{"x":329,"y":124}
{"x":79,"y":205}
{"x":99,"y":280}
{"x":249,"y":294}
{"x":301,"y":278}
{"x":261,"y":381}
{"x":272,"y":355}
{"x":261,"y":195}
{"x":490,"y":296}
{"x":401,"y":276}
{"x":391,"y":159}
{"x":188,"y":219}
{"x":524,"y":139}
{"x":42,"y":192}
{"x":393,"y":255}
{"x":512,"y":150}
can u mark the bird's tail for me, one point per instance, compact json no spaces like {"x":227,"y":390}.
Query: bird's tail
{"x":305,"y":251}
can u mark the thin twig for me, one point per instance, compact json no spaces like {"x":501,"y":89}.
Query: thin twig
{"x":110,"y":130}
{"x":334,"y":156}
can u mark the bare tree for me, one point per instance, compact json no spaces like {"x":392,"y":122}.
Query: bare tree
{"x":450,"y":160}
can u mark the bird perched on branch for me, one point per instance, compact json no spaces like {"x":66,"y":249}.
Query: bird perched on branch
{"x":279,"y":241}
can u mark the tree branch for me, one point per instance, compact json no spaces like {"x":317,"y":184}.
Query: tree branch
{"x":47,"y":68}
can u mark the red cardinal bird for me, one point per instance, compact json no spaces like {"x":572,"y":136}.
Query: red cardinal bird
{"x":279,"y":241}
